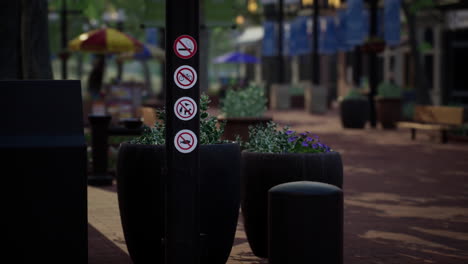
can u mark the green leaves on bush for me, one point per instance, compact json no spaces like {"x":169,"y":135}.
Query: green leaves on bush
{"x":248,"y":102}
{"x":268,"y":139}
{"x":210,"y":130}
{"x":354,"y":94}
{"x":388,"y":90}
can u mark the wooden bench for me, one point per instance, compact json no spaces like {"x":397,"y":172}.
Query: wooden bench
{"x":435,"y":118}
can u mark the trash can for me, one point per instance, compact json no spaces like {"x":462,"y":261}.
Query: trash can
{"x":305,"y":223}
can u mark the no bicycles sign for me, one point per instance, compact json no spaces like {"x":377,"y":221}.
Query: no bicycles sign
{"x":185,"y":77}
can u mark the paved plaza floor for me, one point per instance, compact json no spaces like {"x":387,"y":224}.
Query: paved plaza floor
{"x":405,"y":201}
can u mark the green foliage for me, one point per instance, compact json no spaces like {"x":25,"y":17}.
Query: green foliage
{"x":248,"y":102}
{"x":296,"y":90}
{"x":388,"y":90}
{"x":418,"y":5}
{"x":210,"y":130}
{"x":268,"y":139}
{"x":354,"y":94}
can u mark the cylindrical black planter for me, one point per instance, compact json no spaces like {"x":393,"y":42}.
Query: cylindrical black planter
{"x":388,"y":112}
{"x":305,"y":223}
{"x":354,"y":113}
{"x":141,"y":200}
{"x":262,"y":171}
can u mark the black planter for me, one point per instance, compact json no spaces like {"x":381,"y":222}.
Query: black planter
{"x":140,"y":193}
{"x":388,"y":111}
{"x":262,"y":171}
{"x":354,"y":113}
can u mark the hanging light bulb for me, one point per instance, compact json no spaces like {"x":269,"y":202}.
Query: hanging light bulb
{"x":252,"y":6}
{"x":240,"y":20}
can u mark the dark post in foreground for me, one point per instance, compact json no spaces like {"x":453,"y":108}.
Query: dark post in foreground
{"x":182,"y":231}
{"x":373,"y":64}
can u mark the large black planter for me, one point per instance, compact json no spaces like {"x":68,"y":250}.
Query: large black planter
{"x":140,"y":193}
{"x":354,"y":113}
{"x":262,"y":171}
{"x":388,"y":111}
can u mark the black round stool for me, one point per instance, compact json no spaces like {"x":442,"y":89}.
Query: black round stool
{"x":305,"y":223}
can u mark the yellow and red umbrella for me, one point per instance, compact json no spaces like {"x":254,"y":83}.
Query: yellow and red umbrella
{"x":106,"y":40}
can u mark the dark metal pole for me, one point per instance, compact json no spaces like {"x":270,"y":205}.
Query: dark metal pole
{"x":280,"y":42}
{"x":120,"y":27}
{"x":315,"y":46}
{"x":357,"y":66}
{"x":373,"y":64}
{"x":182,"y":221}
{"x":64,"y":39}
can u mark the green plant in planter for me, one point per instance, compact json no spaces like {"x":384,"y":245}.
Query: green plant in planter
{"x":248,"y":102}
{"x":354,"y":109}
{"x":273,"y":156}
{"x":141,"y":184}
{"x":354,"y":94}
{"x":388,"y":104}
{"x":210,"y":131}
{"x":268,"y":139}
{"x":389,"y":90}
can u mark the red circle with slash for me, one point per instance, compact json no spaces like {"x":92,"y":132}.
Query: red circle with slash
{"x":185,"y":77}
{"x":185,"y":141}
{"x":185,"y":47}
{"x":185,"y":108}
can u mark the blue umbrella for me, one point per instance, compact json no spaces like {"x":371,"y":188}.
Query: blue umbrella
{"x":236,"y":57}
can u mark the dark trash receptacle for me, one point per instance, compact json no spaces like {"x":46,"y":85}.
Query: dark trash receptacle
{"x":43,"y":158}
{"x":305,"y":223}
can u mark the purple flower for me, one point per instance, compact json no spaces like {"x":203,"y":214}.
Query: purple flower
{"x":289,"y":132}
{"x":305,"y":144}
{"x":291,"y":139}
{"x":303,"y":134}
{"x":308,"y":139}
{"x":314,"y":146}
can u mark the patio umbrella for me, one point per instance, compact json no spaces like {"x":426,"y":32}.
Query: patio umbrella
{"x":236,"y":57}
{"x":105,"y":41}
{"x":148,"y":52}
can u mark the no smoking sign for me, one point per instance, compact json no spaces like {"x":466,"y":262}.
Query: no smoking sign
{"x":185,"y":77}
{"x":185,"y":141}
{"x":185,"y":108}
{"x":185,"y":47}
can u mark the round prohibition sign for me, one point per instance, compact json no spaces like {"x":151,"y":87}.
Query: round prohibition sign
{"x":185,"y":77}
{"x":185,"y":47}
{"x":185,"y":108}
{"x":185,"y":141}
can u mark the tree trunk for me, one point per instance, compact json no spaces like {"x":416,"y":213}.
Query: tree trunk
{"x":25,"y":50}
{"x":421,"y":86}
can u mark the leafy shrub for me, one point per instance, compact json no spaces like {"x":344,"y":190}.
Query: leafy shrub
{"x":268,"y":139}
{"x":210,"y":129}
{"x":354,"y":94}
{"x":388,"y":90}
{"x":248,"y":102}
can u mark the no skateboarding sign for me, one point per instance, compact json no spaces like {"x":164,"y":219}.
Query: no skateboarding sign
{"x":185,"y":141}
{"x":185,"y":77}
{"x":185,"y":108}
{"x":185,"y":47}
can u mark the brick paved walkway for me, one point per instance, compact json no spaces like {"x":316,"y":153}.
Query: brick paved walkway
{"x":405,"y":202}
